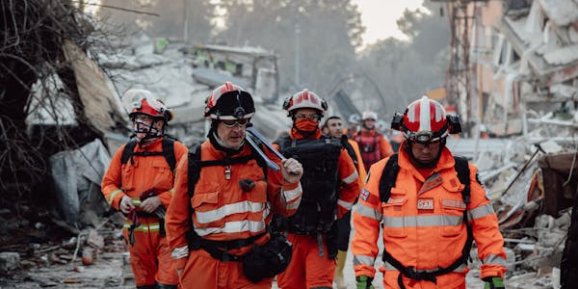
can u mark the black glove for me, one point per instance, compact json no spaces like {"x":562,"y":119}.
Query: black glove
{"x":494,"y":283}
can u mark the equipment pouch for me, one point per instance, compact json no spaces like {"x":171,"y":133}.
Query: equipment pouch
{"x":268,"y":260}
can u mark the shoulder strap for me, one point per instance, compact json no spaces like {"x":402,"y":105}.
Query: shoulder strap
{"x":128,"y":151}
{"x":388,"y":178}
{"x":194,"y":169}
{"x":345,"y":144}
{"x":463,"y":170}
{"x":169,"y":152}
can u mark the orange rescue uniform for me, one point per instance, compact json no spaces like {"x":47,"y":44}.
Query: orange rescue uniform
{"x":361,"y":171}
{"x":150,"y":257}
{"x":307,"y":269}
{"x":222,"y":211}
{"x":427,"y":238}
{"x":373,"y":146}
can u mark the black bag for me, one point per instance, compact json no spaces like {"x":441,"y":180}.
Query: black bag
{"x":268,"y":260}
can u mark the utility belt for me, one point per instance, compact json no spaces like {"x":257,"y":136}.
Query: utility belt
{"x":261,"y":262}
{"x":330,"y":238}
{"x":135,"y":224}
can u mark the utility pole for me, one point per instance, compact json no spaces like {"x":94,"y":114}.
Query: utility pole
{"x":186,"y":21}
{"x":297,"y":32}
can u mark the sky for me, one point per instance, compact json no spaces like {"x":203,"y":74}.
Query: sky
{"x":379,"y":17}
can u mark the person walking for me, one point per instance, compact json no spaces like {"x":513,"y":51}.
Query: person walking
{"x":430,"y":206}
{"x":330,"y":186}
{"x":139,"y":183}
{"x":224,"y":199}
{"x":373,"y":144}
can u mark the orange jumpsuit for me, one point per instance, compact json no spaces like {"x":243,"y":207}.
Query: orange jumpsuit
{"x":361,"y":171}
{"x":429,"y":237}
{"x":373,"y":146}
{"x":149,"y":256}
{"x":307,"y":269}
{"x":222,"y":212}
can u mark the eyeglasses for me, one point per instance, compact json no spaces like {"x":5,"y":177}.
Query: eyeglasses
{"x":311,"y":116}
{"x":237,"y":122}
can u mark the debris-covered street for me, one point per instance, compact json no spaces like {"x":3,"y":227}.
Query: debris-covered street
{"x":503,"y":73}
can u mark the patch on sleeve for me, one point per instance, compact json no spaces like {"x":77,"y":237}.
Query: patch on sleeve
{"x":364,"y":195}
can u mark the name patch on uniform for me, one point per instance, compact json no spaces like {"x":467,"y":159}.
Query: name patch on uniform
{"x":425,"y":204}
{"x":364,"y":194}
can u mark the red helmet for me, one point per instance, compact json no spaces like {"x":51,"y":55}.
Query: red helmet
{"x":305,"y":99}
{"x":229,"y":102}
{"x":424,"y":120}
{"x":141,"y":101}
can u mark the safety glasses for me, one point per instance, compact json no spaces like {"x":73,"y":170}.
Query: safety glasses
{"x":236,"y":122}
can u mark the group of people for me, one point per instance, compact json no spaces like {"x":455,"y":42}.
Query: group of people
{"x":237,"y":211}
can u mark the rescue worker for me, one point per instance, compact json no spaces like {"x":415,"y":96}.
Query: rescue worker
{"x":218,"y":220}
{"x":431,"y":207}
{"x":330,"y":186}
{"x":334,"y":127}
{"x":139,"y":183}
{"x":373,"y":144}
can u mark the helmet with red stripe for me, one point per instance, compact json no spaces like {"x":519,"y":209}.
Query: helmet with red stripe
{"x":305,"y":99}
{"x":229,"y":102}
{"x":424,"y":120}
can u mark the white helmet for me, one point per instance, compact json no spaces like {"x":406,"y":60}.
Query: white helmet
{"x":369,"y":115}
{"x":305,"y":99}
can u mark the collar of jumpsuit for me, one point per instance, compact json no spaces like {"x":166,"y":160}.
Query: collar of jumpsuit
{"x":445,"y":161}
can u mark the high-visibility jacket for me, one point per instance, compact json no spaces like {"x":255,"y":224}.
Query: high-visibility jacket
{"x":360,"y":167}
{"x":425,"y":230}
{"x":222,"y":211}
{"x":151,"y":260}
{"x":373,"y":146}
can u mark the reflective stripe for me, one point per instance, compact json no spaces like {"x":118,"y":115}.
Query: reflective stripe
{"x":494,"y":259}
{"x":366,"y":211}
{"x":345,"y":204}
{"x":172,"y":191}
{"x":180,"y":252}
{"x":234,"y":227}
{"x":422,"y":221}
{"x":293,"y":194}
{"x":461,"y":269}
{"x":363,"y":260}
{"x":352,"y":178}
{"x":293,"y":205}
{"x":229,"y":209}
{"x":480,"y":212}
{"x":113,"y":195}
{"x":147,"y":228}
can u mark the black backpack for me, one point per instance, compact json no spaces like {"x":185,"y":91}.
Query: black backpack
{"x":168,"y":152}
{"x":387,"y":182}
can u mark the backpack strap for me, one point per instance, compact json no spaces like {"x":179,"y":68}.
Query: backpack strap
{"x":388,"y":178}
{"x":168,"y":147}
{"x":128,"y":151}
{"x":169,"y":152}
{"x":347,"y":146}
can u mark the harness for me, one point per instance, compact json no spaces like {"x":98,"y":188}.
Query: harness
{"x":387,"y":182}
{"x":217,"y":249}
{"x":128,"y":153}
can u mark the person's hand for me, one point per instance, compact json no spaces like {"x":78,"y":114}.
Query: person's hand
{"x":150,"y":204}
{"x":364,"y":282}
{"x":494,"y":283}
{"x":292,"y":170}
{"x":126,"y":205}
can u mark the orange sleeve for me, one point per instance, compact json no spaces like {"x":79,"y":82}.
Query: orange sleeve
{"x":111,"y":185}
{"x":350,"y":188}
{"x":360,"y":167}
{"x":366,"y":219}
{"x":385,"y":147}
{"x":180,"y":152}
{"x":177,"y":219}
{"x":486,"y":231}
{"x":285,"y":197}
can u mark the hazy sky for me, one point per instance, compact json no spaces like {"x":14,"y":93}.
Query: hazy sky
{"x":379,"y":17}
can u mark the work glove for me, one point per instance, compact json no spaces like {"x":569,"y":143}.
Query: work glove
{"x":364,"y":282}
{"x":494,"y":283}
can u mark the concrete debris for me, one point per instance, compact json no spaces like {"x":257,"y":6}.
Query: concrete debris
{"x":9,"y":261}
